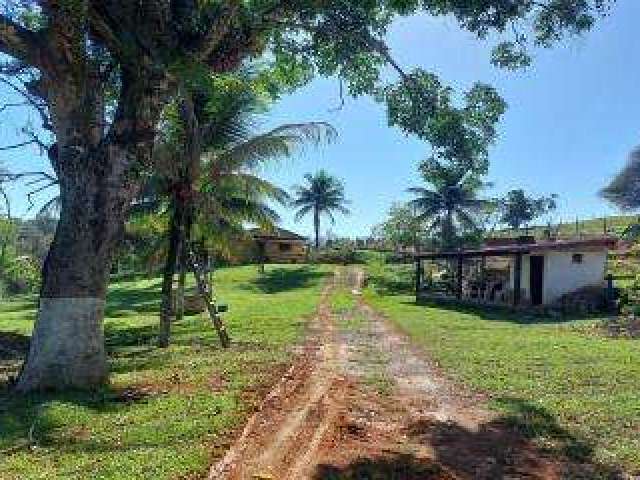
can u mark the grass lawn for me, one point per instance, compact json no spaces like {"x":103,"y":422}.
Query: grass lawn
{"x":168,"y":413}
{"x":573,"y":392}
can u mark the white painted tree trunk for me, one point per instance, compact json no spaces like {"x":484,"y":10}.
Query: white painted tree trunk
{"x":67,"y":346}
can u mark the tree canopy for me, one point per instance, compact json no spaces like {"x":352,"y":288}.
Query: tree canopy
{"x":624,"y":190}
{"x":159,"y":38}
{"x":518,"y":209}
{"x":402,"y":228}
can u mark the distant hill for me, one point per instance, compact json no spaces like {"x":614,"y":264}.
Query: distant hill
{"x":615,"y":225}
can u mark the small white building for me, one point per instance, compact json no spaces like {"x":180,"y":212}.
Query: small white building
{"x":552,"y":269}
{"x":522,"y":271}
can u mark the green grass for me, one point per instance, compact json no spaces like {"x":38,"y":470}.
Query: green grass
{"x":575,"y":394}
{"x":342,"y":301}
{"x":168,"y":413}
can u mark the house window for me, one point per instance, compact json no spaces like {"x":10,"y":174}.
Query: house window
{"x":285,"y":247}
{"x":577,"y":258}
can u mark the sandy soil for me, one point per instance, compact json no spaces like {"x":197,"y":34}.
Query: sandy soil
{"x":361,"y":402}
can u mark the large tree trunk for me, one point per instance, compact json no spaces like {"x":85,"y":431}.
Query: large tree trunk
{"x":97,"y":174}
{"x":67,"y":345}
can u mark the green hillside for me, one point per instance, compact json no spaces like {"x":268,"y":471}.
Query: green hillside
{"x":614,"y":225}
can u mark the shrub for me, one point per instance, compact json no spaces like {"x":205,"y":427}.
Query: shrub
{"x":388,"y":278}
{"x":345,"y":255}
{"x":22,"y":275}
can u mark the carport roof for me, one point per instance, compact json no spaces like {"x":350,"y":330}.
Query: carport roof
{"x":505,"y":250}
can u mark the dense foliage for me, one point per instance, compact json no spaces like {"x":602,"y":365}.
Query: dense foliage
{"x":518,"y":209}
{"x":624,"y":190}
{"x":23,"y":246}
{"x":402,"y":228}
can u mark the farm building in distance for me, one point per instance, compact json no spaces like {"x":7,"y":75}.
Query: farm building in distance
{"x":280,"y":246}
{"x":519,"y":272}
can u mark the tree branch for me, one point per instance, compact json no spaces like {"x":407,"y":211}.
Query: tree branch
{"x":33,"y":101}
{"x":36,"y":191}
{"x":19,"y":43}
{"x":12,"y":105}
{"x":7,"y":202}
{"x":17,"y":145}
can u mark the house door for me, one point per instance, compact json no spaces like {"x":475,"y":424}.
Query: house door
{"x":536,"y":278}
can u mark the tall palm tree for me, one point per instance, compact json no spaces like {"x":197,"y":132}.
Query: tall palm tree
{"x":450,"y":202}
{"x":323,"y":195}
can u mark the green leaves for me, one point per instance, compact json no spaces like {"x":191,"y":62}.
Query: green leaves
{"x":451,"y":205}
{"x":518,"y":209}
{"x":323,"y":194}
{"x":402,"y":227}
{"x":624,"y":190}
{"x":421,"y":105}
{"x":510,"y":55}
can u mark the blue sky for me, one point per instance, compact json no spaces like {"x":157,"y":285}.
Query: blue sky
{"x":572,"y":120}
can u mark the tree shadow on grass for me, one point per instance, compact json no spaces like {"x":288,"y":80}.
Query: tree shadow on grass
{"x":26,"y":422}
{"x":499,"y":313}
{"x":13,"y":346}
{"x":126,"y":301}
{"x":525,"y":442}
{"x":278,"y":280}
{"x":118,"y":337}
{"x":19,"y":307}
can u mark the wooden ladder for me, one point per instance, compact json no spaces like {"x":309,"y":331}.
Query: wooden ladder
{"x":209,"y":298}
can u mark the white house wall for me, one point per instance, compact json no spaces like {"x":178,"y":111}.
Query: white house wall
{"x":562,"y":276}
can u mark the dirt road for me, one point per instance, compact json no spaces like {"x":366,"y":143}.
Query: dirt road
{"x":362,"y":403}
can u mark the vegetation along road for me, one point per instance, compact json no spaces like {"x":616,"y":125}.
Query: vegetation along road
{"x":167,"y":412}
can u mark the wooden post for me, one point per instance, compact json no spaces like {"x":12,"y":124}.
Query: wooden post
{"x":459,"y":279}
{"x":517,"y":279}
{"x":610,"y":294}
{"x":483,"y":278}
{"x":418,"y":277}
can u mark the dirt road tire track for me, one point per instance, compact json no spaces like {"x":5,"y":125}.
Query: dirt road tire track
{"x":325,"y":421}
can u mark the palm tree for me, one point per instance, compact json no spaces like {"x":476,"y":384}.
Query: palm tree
{"x":219,"y":189}
{"x":450,"y":203}
{"x":323,"y":195}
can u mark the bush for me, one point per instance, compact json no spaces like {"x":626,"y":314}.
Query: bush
{"x":388,"y":278}
{"x":22,"y":275}
{"x":337,"y":256}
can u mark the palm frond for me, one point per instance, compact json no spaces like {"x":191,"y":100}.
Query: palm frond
{"x":303,"y":212}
